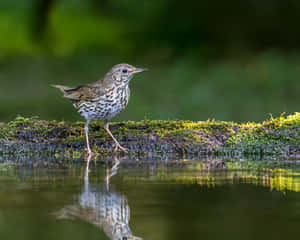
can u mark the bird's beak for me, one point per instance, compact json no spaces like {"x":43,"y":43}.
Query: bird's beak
{"x":137,"y":70}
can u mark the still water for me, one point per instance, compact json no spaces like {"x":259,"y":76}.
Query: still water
{"x":164,"y":200}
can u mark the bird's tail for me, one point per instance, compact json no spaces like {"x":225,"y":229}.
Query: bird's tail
{"x":64,"y":89}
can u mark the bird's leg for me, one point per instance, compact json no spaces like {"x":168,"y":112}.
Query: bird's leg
{"x":118,"y":146}
{"x":86,"y":176}
{"x":86,"y":130}
{"x":111,"y":172}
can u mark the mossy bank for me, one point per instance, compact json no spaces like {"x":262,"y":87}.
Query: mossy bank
{"x":276,"y":136}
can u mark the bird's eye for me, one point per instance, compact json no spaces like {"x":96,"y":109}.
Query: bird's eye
{"x":124,"y":71}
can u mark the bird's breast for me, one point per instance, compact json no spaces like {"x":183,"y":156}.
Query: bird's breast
{"x":105,"y":106}
{"x":117,"y":100}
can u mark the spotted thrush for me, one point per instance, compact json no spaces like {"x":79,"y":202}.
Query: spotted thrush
{"x":103,"y":99}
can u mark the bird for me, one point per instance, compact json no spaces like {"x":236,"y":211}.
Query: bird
{"x":101,"y":206}
{"x":103,"y":99}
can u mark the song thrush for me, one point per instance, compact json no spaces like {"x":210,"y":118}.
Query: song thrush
{"x":103,"y":99}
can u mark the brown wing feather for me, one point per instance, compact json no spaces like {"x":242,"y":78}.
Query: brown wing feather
{"x":84,"y":92}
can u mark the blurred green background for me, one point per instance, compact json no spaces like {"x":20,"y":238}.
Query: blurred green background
{"x":227,"y":60}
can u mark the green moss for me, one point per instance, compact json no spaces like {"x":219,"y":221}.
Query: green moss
{"x":274,"y":136}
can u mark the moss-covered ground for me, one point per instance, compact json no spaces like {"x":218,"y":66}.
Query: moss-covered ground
{"x":276,"y":136}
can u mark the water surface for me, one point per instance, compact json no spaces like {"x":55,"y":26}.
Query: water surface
{"x":169,"y":199}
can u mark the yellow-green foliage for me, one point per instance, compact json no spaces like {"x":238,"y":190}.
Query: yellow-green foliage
{"x":279,"y":179}
{"x":274,"y":136}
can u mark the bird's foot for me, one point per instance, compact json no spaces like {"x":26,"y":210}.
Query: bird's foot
{"x":118,"y":147}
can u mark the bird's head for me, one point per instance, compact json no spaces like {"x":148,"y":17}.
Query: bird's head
{"x":122,"y":73}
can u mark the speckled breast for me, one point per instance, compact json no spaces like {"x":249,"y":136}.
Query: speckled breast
{"x":106,"y":106}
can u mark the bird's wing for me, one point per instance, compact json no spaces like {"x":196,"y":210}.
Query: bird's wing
{"x":84,"y":92}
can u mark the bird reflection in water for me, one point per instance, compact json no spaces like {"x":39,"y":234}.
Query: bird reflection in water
{"x":101,"y":205}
